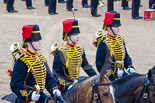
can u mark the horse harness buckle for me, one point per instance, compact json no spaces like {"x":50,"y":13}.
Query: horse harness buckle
{"x":95,"y":91}
{"x":145,"y":95}
{"x":96,"y":96}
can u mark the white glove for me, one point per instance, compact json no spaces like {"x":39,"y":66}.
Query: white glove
{"x":57,"y":92}
{"x":131,"y":70}
{"x":120,"y":72}
{"x":35,"y":97}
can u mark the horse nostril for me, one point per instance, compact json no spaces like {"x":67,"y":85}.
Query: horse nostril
{"x":105,"y":94}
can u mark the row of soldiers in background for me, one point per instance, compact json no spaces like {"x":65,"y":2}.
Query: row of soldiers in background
{"x":70,"y":7}
{"x":10,"y":3}
{"x":52,"y":6}
{"x":135,"y":7}
{"x":10,"y":7}
{"x":94,"y":5}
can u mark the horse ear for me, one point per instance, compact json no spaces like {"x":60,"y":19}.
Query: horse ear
{"x":102,"y":75}
{"x":109,"y":72}
{"x":150,"y":76}
{"x":103,"y":72}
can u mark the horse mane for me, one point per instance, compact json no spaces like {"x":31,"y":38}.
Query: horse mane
{"x":77,"y":85}
{"x":126,"y":78}
{"x":126,"y":85}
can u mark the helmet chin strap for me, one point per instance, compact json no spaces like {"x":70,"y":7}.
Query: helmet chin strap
{"x":112,"y":30}
{"x":71,"y":40}
{"x":32,"y":46}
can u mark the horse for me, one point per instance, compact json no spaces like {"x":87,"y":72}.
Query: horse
{"x":96,"y":89}
{"x":135,"y":88}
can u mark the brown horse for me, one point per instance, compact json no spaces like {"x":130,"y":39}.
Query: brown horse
{"x":96,"y":89}
{"x":135,"y":88}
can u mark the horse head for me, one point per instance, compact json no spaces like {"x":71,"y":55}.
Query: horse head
{"x":96,"y":89}
{"x":146,"y":93}
{"x":105,"y":87}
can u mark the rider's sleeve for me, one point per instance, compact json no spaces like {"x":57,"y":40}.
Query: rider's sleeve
{"x":58,"y":63}
{"x":101,"y":57}
{"x":17,"y":81}
{"x":87,"y":67}
{"x":127,"y":60}
{"x":51,"y":82}
{"x":58,"y":67}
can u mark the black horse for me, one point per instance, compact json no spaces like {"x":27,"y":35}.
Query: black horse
{"x":136,"y":88}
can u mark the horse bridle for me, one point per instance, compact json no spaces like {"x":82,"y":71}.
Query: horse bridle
{"x":145,"y":90}
{"x":95,"y":91}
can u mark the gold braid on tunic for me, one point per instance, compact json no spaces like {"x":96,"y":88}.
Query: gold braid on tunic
{"x":36,"y":65}
{"x":117,"y":50}
{"x":73,"y":58}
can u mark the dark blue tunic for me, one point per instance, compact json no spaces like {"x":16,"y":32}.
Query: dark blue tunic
{"x":22,"y":81}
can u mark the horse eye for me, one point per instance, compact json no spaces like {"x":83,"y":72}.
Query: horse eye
{"x":153,"y":95}
{"x":105,"y":94}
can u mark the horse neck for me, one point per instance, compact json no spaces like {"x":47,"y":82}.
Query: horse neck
{"x":125,"y":87}
{"x":79,"y":92}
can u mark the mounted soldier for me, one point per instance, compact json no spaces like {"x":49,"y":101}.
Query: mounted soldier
{"x":111,"y":52}
{"x":31,"y":74}
{"x":70,"y":57}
